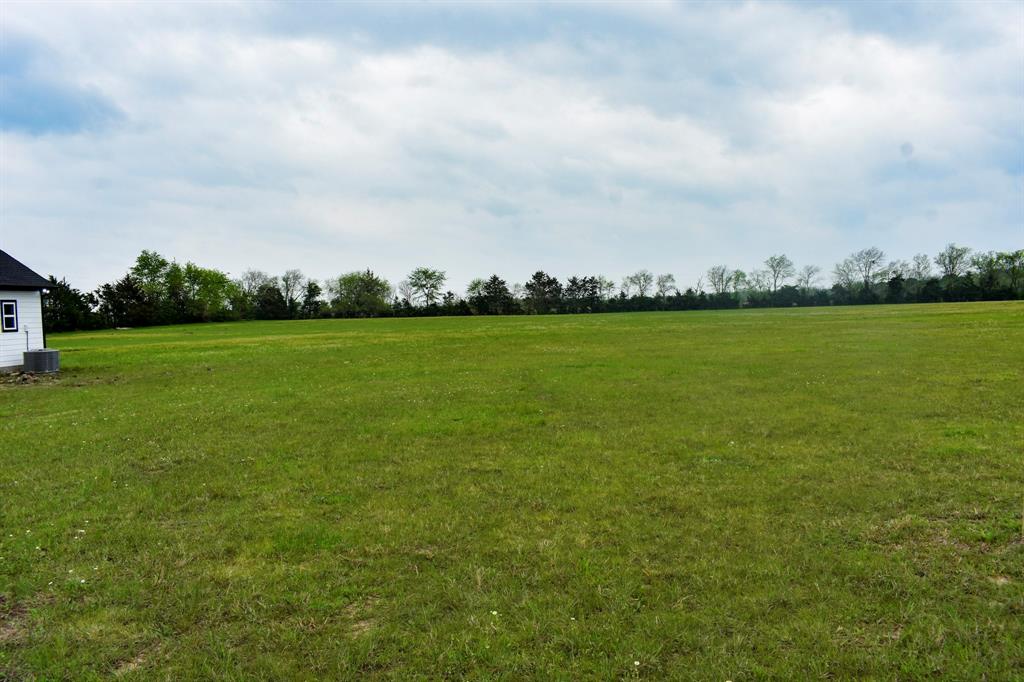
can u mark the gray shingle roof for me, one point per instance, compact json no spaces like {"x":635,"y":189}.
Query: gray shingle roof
{"x":15,"y":274}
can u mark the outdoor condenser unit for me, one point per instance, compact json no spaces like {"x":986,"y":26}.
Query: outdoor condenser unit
{"x":41,"y":361}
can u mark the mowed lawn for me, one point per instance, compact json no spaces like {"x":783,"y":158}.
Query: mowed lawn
{"x":732,"y":495}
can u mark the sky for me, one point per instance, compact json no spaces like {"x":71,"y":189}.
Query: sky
{"x":506,"y":138}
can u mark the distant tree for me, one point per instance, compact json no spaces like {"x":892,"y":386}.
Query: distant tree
{"x":292,"y":284}
{"x":253,"y":280}
{"x":405,"y":291}
{"x":241,"y":304}
{"x":895,"y":289}
{"x":739,"y":281}
{"x":68,"y":309}
{"x":124,"y":303}
{"x":992,"y":278}
{"x":868,"y":264}
{"x":1013,"y":264}
{"x":206,"y":294}
{"x":920,"y":267}
{"x":638,"y":284}
{"x":150,"y":272}
{"x":760,"y":281}
{"x":807,"y":277}
{"x":543,"y":293}
{"x":491,"y":297}
{"x":898,"y":268}
{"x":451,"y":304}
{"x":665,"y":285}
{"x":425,"y":285}
{"x":780,"y":268}
{"x":605,"y":287}
{"x":360,"y":294}
{"x":582,"y":294}
{"x":311,"y":302}
{"x":720,"y":278}
{"x":574,"y":295}
{"x":953,"y":260}
{"x":844,"y":274}
{"x":270,"y":303}
{"x":475,"y":288}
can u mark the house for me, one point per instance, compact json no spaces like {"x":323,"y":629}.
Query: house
{"x":21,"y":312}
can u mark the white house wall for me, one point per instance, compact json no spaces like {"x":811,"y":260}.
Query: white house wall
{"x":30,"y":317}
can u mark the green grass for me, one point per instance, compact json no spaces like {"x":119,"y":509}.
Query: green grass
{"x":815,"y":493}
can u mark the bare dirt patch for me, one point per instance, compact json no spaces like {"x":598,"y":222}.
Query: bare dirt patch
{"x":130,"y":665}
{"x":12,"y":617}
{"x":360,"y":615}
{"x":28,"y":378}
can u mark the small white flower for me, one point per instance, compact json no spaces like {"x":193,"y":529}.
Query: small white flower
{"x":494,"y":613}
{"x":636,"y":663}
{"x":82,"y":580}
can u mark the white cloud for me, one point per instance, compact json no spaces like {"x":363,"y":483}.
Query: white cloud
{"x":668,"y":137}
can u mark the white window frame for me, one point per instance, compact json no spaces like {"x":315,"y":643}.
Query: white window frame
{"x":5,"y":316}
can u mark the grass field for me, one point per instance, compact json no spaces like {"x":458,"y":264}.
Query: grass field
{"x":735,"y":495}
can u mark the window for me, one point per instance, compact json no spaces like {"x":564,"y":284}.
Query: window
{"x":9,"y":315}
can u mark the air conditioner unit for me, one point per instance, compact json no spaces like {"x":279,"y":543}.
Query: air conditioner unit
{"x":41,"y":361}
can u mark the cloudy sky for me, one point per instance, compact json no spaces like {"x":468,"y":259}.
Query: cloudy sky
{"x":501,"y":137}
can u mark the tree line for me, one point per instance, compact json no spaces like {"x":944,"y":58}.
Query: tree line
{"x":159,"y":291}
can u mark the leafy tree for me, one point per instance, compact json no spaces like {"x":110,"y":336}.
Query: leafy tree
{"x":1013,"y":264}
{"x":424,"y":285}
{"x":124,"y":303}
{"x":582,"y":294}
{"x":311,"y":302}
{"x":475,"y":288}
{"x":68,"y":309}
{"x":739,"y":281}
{"x":989,"y":271}
{"x":270,"y":303}
{"x":491,"y":297}
{"x":360,"y":294}
{"x":207,"y":293}
{"x":543,"y":293}
{"x":895,"y":289}
{"x":150,"y":272}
